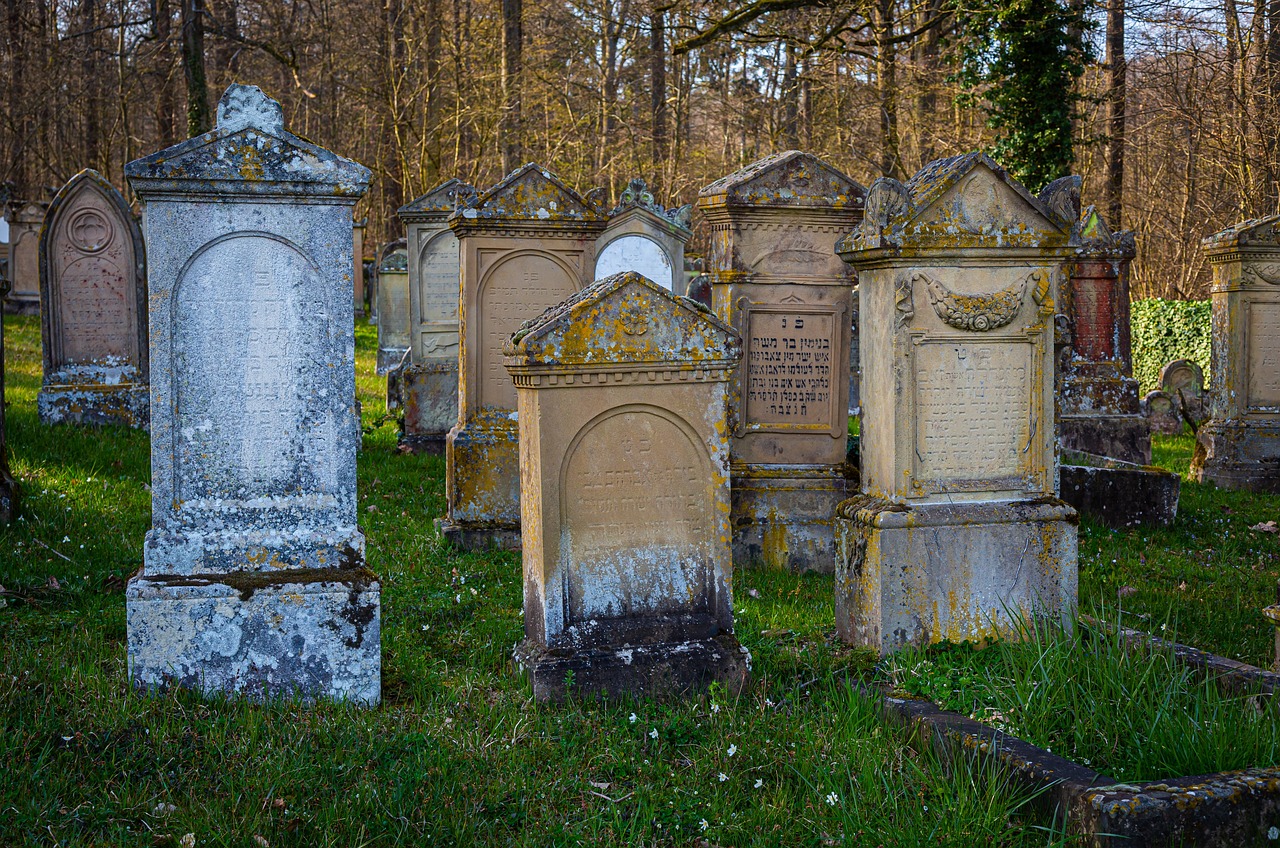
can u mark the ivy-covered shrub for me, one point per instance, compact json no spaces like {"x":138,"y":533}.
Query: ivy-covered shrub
{"x":1165,"y":330}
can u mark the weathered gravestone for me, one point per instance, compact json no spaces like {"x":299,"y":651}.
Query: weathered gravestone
{"x":1161,"y":412}
{"x":25,"y":220}
{"x":957,"y":527}
{"x":644,"y":237}
{"x":357,"y":252}
{"x":624,"y":463}
{"x":855,"y":367}
{"x":430,"y":380}
{"x":1098,"y":402}
{"x":8,"y":485}
{"x":253,"y":577}
{"x":1183,"y":380}
{"x":525,"y":245}
{"x":93,"y":317}
{"x":393,"y":306}
{"x":776,"y":279}
{"x":1239,"y":446}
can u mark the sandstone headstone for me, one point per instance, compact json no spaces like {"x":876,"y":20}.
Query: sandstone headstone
{"x":777,"y":281}
{"x":1239,"y":446}
{"x":1161,"y":412}
{"x":357,"y":251}
{"x":624,"y":458}
{"x":957,"y":527}
{"x":430,"y":380}
{"x":1183,"y":380}
{"x":524,"y":246}
{"x":253,"y":577}
{"x":393,"y":305}
{"x":25,"y":220}
{"x":855,"y":367}
{"x":93,"y":318}
{"x":1098,"y":404}
{"x":643,"y":236}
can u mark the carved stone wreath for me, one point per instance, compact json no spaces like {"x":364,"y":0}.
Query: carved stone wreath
{"x":975,"y":312}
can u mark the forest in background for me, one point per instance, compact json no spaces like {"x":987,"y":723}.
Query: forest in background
{"x":1174,"y":126}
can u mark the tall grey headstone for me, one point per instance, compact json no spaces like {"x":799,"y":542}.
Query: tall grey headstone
{"x":253,"y":577}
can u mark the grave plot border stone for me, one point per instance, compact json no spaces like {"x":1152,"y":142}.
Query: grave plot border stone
{"x":649,"y":615}
{"x":1098,"y":397}
{"x":776,"y":279}
{"x":103,"y":391}
{"x":253,"y":580}
{"x":639,"y":215}
{"x":1239,"y":446}
{"x":529,"y":218}
{"x":1119,"y":494}
{"x":430,"y":379}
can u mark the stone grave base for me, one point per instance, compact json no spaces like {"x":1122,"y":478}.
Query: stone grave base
{"x":126,"y":404}
{"x":20,"y":305}
{"x":914,"y":575}
{"x":430,"y":395}
{"x":656,"y":670}
{"x":783,"y":517}
{"x":388,"y":359}
{"x":1119,"y":494}
{"x":1236,"y":455}
{"x":482,"y":487}
{"x":307,"y":633}
{"x":1123,"y":437}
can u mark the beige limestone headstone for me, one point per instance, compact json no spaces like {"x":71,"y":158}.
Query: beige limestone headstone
{"x":24,"y":257}
{"x":393,"y":306}
{"x":958,"y":525}
{"x":1239,"y":447}
{"x":524,"y":245}
{"x":431,"y":378}
{"x":644,"y":237}
{"x":1098,"y":405}
{"x":624,"y":468}
{"x":94,"y":313}
{"x":357,"y":252}
{"x":776,"y":278}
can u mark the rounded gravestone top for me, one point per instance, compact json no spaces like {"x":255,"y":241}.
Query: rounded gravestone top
{"x":1157,"y":403}
{"x":1182,"y":375}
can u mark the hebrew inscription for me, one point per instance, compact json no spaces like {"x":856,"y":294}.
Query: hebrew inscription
{"x":972,"y":413}
{"x":635,"y":519}
{"x":244,"y":323}
{"x":1091,"y":300}
{"x":516,"y":290}
{"x":438,"y":278}
{"x":789,"y":368}
{"x":1264,"y":355}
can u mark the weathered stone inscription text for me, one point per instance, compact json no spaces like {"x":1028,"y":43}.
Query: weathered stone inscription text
{"x":1094,"y":332}
{"x":1264,"y":355}
{"x":789,"y":368}
{"x":517,"y":290}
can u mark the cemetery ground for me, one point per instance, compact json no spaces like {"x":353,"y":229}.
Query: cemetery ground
{"x":458,"y":753}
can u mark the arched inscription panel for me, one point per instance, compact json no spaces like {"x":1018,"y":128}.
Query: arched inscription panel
{"x":635,"y":520}
{"x":437,"y":318}
{"x":635,"y":253}
{"x":246,"y":321}
{"x":519,"y":288}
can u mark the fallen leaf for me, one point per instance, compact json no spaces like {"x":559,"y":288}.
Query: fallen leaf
{"x":755,"y":593}
{"x":188,"y":841}
{"x":371,"y":508}
{"x":1266,"y":527}
{"x":601,"y":786}
{"x":1126,"y":591}
{"x":52,"y":583}
{"x":261,"y":840}
{"x":1182,"y":587}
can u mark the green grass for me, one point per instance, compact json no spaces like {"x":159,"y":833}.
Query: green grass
{"x":1132,"y":712}
{"x":458,"y":753}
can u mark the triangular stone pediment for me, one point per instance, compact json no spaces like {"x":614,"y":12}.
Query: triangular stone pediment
{"x":977,"y":196}
{"x":625,"y":319}
{"x":446,"y":197}
{"x":531,"y":193}
{"x":788,"y":179}
{"x":1258,"y":232}
{"x":249,"y":147}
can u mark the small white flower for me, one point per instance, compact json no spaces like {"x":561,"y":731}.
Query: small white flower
{"x":1273,"y":834}
{"x":632,"y":718}
{"x":833,"y":799}
{"x":723,"y":777}
{"x":733,"y":749}
{"x":188,"y":841}
{"x":702,"y":825}
{"x":759,"y":782}
{"x":66,"y":539}
{"x":715,"y":708}
{"x":653,"y":734}
{"x":768,"y":702}
{"x":457,"y":599}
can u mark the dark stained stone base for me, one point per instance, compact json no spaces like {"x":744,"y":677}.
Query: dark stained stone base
{"x":662,"y":670}
{"x":1119,"y":494}
{"x":783,"y":517}
{"x":127,"y":404}
{"x":479,"y":537}
{"x":1124,"y":437}
{"x":426,"y":443}
{"x":1238,"y":455}
{"x":21,"y":305}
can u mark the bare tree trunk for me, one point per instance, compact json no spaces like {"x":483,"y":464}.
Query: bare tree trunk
{"x":1116,"y":68}
{"x":199,"y":119}
{"x":1272,"y":65}
{"x":431,"y":119}
{"x":510,"y":133}
{"x":887,"y":87}
{"x":92,"y":83}
{"x":927,"y":102}
{"x":166,"y":97}
{"x":658,"y":93}
{"x":17,"y":170}
{"x":226,"y":15}
{"x":790,"y":100}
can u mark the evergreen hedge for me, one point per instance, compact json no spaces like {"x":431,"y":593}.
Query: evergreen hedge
{"x":1165,"y":330}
